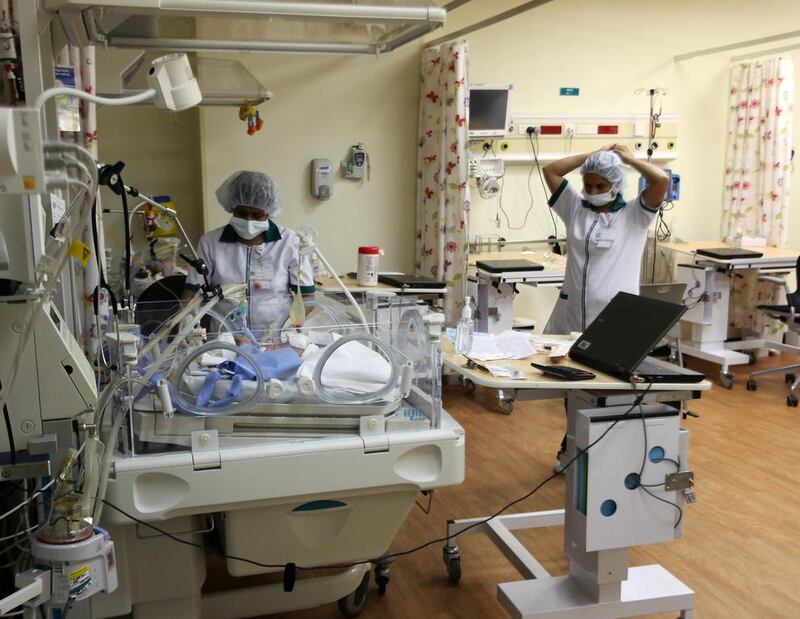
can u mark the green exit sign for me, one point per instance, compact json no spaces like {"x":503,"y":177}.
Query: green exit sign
{"x":570,"y":92}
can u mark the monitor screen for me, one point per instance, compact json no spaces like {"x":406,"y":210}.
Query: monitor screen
{"x":488,"y":111}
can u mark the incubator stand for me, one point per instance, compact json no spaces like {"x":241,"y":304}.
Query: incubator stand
{"x":298,"y":445}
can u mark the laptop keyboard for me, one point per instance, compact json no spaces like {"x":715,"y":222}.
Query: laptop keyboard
{"x":652,"y":366}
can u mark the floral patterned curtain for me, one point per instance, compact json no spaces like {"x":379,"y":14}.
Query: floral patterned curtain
{"x":442,"y":172}
{"x":758,"y":158}
{"x":758,"y":174}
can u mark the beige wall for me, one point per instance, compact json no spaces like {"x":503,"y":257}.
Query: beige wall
{"x":161,"y":151}
{"x":610,"y":49}
{"x":322,"y":105}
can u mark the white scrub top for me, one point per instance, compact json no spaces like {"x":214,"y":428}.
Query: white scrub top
{"x":604,"y":256}
{"x":269,"y":269}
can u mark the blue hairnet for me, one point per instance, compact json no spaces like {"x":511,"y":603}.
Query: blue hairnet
{"x":608,"y":165}
{"x":252,"y":189}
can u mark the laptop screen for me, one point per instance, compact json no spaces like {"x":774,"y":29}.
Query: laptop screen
{"x":627,"y":329}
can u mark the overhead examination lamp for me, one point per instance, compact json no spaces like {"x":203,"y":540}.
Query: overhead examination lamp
{"x":171,"y":83}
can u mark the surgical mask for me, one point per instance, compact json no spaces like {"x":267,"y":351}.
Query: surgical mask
{"x":599,"y":199}
{"x":248,"y":228}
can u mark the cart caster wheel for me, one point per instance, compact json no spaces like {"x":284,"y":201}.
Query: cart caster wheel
{"x":382,"y":577}
{"x":789,"y":378}
{"x":468,"y":386}
{"x":751,"y":358}
{"x":454,"y":569}
{"x":791,"y":400}
{"x":352,"y":605}
{"x":506,"y":406}
{"x":382,"y":582}
{"x":452,"y":561}
{"x":752,"y":385}
{"x":727,"y":380}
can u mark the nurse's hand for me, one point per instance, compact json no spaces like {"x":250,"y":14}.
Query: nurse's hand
{"x":623,"y":152}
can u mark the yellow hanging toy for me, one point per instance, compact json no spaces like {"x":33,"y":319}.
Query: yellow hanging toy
{"x":249,"y":113}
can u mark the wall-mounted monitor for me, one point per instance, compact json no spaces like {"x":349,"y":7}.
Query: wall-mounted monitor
{"x":489,"y":110}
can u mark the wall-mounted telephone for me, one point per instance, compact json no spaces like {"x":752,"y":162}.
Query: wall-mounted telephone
{"x":321,"y":178}
{"x":354,"y":167}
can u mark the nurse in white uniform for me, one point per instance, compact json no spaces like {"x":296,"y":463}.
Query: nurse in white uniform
{"x":606,"y":234}
{"x":252,"y":249}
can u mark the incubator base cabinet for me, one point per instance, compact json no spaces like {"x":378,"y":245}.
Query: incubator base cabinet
{"x":303,"y":446}
{"x":312,"y":503}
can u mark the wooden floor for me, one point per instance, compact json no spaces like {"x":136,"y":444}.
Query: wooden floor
{"x":741,"y":550}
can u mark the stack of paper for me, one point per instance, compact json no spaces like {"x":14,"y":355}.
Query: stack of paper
{"x":507,"y":345}
{"x":552,"y":346}
{"x":505,"y":371}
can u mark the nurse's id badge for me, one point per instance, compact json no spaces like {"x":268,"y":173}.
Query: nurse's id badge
{"x":261,"y":275}
{"x":605,"y":237}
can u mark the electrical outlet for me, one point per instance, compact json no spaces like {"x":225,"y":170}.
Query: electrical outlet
{"x":486,"y":167}
{"x":569,"y":130}
{"x":586,"y":129}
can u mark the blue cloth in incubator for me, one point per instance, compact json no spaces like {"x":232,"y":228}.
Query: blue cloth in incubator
{"x":273,"y":364}
{"x":207,"y":390}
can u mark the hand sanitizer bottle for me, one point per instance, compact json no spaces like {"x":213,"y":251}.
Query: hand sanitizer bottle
{"x":464,"y":329}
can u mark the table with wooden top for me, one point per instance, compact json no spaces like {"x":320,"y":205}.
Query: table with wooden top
{"x":537,"y":386}
{"x":495,"y":291}
{"x":600,"y":582}
{"x":772,"y":257}
{"x":708,"y":296}
{"x":552,"y":274}
{"x":328,"y":284}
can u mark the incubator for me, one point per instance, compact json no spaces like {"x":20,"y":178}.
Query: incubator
{"x":304,"y":445}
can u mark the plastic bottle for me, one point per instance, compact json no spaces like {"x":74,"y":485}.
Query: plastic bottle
{"x":737,"y":237}
{"x":465,"y":329}
{"x":367,"y":274}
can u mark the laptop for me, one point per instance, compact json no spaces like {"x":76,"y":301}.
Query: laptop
{"x":728,"y":253}
{"x":618,"y":340}
{"x":671,"y":293}
{"x":508,"y":266}
{"x":398,"y":280}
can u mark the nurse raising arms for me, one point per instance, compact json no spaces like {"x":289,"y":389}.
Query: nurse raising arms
{"x":606,"y":234}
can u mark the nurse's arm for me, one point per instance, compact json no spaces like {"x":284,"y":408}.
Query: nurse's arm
{"x":555,"y":172}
